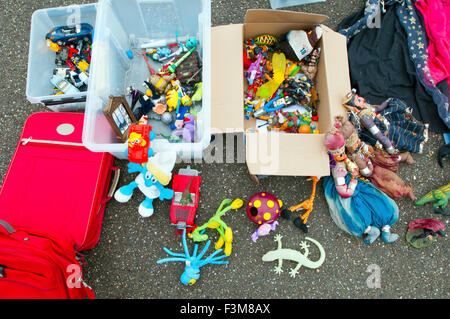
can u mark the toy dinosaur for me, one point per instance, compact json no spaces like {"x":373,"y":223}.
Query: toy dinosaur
{"x":281,"y":254}
{"x":439,"y":197}
{"x":307,"y":205}
{"x":215,"y":222}
{"x":193,"y":263}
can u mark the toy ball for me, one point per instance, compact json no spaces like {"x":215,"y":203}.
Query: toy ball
{"x":304,"y":129}
{"x":263,"y":208}
{"x":167,"y":118}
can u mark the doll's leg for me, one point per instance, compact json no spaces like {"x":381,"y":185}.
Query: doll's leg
{"x":123,"y":194}
{"x":386,"y":234}
{"x":369,"y":124}
{"x":371,"y":233}
{"x":146,"y":207}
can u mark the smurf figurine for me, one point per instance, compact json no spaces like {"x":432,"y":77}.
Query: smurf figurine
{"x":154,"y":174}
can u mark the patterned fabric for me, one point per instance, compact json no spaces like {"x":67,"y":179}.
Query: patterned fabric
{"x":417,"y":42}
{"x":418,"y":53}
{"x":404,"y":133}
{"x":367,"y":207}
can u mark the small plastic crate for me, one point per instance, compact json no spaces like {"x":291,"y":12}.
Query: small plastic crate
{"x":41,"y":60}
{"x":119,"y":24}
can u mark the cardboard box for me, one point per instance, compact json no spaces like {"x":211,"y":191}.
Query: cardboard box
{"x":273,"y":153}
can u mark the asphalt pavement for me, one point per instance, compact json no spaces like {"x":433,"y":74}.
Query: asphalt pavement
{"x":123,"y":264}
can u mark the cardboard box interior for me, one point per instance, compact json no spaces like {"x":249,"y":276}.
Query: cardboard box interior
{"x":273,"y":153}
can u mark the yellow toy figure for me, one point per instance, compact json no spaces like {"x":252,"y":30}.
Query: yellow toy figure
{"x":279,"y":68}
{"x":136,"y":139}
{"x":307,"y":205}
{"x":225,"y":232}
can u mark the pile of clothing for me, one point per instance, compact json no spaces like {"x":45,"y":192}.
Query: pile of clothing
{"x":399,"y":48}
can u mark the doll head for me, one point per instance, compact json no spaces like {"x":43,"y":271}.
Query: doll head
{"x":354,"y":102}
{"x":335,"y":143}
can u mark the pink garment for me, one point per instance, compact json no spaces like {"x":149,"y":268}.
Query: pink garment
{"x":436,"y":14}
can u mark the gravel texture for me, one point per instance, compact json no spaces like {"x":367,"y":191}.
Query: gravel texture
{"x":123,"y":264}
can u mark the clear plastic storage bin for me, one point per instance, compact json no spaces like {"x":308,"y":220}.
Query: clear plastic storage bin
{"x":41,"y":60}
{"x":121,"y":24}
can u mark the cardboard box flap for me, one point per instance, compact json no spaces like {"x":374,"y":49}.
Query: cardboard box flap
{"x":335,"y":73}
{"x":282,"y":16}
{"x":227,"y":79}
{"x":286,"y":155}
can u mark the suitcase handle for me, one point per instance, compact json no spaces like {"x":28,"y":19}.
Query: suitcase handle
{"x":114,"y":182}
{"x":7,"y":226}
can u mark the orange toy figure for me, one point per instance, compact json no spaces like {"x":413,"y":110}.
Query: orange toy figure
{"x":307,"y":205}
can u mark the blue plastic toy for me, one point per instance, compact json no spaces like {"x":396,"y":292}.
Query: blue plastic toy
{"x":193,"y":263}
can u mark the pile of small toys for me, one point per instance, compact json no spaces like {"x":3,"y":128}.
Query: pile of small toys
{"x":280,"y":73}
{"x":171,"y":95}
{"x":73,"y":47}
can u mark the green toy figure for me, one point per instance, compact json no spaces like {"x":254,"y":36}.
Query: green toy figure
{"x":439,"y":197}
{"x":215,"y":222}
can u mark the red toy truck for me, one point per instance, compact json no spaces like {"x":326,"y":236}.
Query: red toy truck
{"x":186,"y":187}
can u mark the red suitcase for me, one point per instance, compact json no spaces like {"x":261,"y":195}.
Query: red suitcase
{"x":35,"y":266}
{"x":54,"y":185}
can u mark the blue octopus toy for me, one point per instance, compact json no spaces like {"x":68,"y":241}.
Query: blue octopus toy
{"x":193,"y":263}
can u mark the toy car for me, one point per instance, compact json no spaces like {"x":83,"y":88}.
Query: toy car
{"x":63,"y":85}
{"x":186,"y":187}
{"x":62,"y":35}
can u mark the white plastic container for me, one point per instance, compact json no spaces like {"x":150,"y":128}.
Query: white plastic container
{"x":41,"y":60}
{"x":276,"y":4}
{"x":118,"y":23}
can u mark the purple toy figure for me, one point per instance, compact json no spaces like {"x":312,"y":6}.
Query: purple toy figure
{"x":255,"y":70}
{"x":188,"y":129}
{"x":263,"y":209}
{"x":264,"y":230}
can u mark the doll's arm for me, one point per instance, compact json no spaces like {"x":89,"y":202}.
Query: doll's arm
{"x":339,"y":173}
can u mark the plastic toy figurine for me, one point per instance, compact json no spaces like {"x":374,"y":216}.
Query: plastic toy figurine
{"x":439,"y":197}
{"x":269,"y":88}
{"x":356,"y":207}
{"x":193,"y":263}
{"x":215,"y":222}
{"x":366,"y":115}
{"x":153,"y":176}
{"x":423,"y":232}
{"x":173,"y":67}
{"x":297,"y":44}
{"x":254,"y":72}
{"x":186,"y":187}
{"x":162,"y":83}
{"x":146,"y":103}
{"x":264,"y":230}
{"x":280,"y":254}
{"x":198,"y":94}
{"x":263,"y":209}
{"x":307,"y":205}
{"x":275,"y":104}
{"x":139,"y":137}
{"x":187,"y":132}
